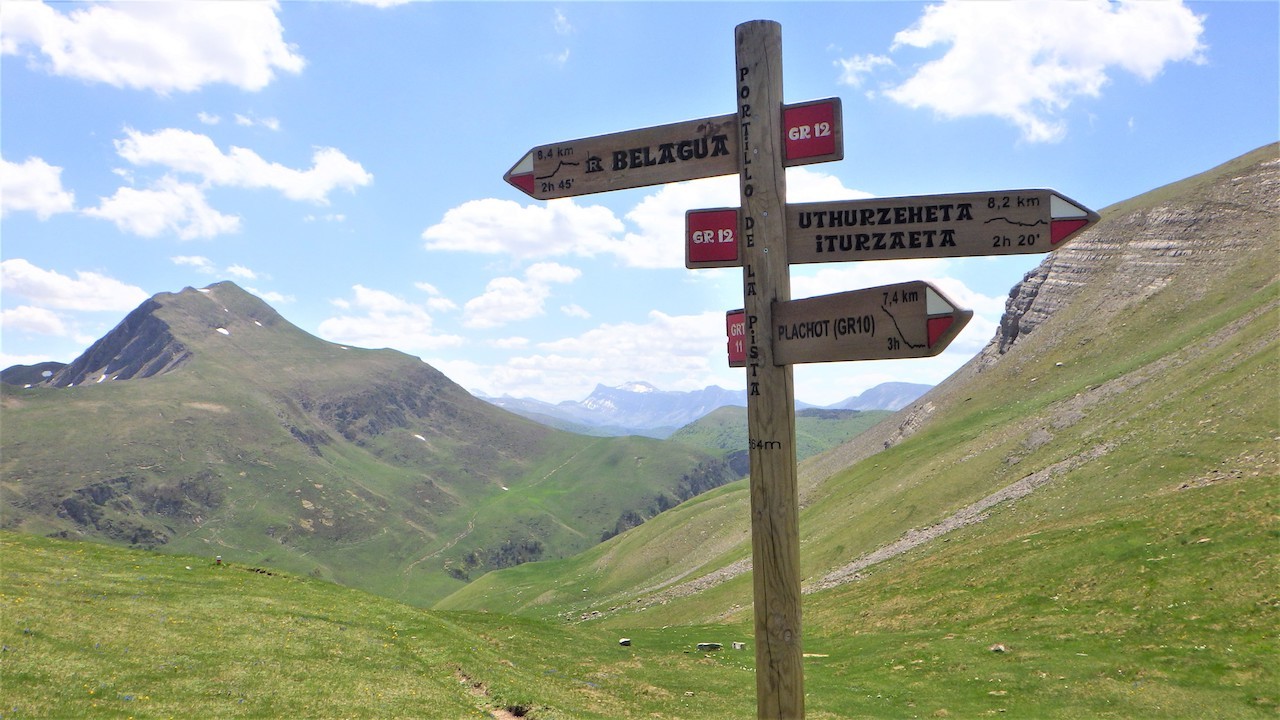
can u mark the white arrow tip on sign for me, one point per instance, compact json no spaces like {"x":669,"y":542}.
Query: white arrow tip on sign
{"x":935,"y":304}
{"x":1061,"y":208}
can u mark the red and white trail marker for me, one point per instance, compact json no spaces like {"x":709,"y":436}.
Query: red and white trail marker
{"x":735,"y":322}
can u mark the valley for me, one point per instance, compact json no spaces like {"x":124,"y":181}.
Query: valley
{"x":1080,"y":522}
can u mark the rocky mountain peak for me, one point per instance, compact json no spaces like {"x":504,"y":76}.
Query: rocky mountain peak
{"x":159,"y":336}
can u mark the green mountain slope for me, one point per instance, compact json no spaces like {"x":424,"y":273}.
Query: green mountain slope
{"x":1081,"y":523}
{"x":817,"y":430}
{"x":1101,"y":479}
{"x":206,"y":423}
{"x":96,"y":631}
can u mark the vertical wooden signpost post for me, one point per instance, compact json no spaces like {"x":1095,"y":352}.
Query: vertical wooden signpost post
{"x":775,"y":512}
{"x":772,"y":332}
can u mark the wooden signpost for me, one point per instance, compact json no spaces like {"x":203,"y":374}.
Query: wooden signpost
{"x":771,"y":417}
{"x":772,"y":332}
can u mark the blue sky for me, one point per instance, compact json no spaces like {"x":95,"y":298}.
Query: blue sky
{"x":344,"y":161}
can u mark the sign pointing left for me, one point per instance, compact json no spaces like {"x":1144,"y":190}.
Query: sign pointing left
{"x":670,"y":153}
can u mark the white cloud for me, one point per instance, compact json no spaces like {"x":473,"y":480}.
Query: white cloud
{"x":491,"y":226}
{"x":208,"y":118}
{"x":378,"y":319}
{"x":241,"y":271}
{"x":34,"y":186}
{"x":436,"y":301}
{"x":201,"y":264}
{"x":187,"y":152}
{"x":50,"y":289}
{"x":441,"y":304}
{"x":560,"y":59}
{"x":172,"y":206}
{"x":329,"y":217}
{"x":561,"y":23}
{"x":269,"y":123}
{"x":158,"y":46}
{"x":40,"y":321}
{"x":510,"y":343}
{"x":271,"y":296}
{"x":382,"y":3}
{"x":854,"y":70}
{"x":658,"y":219}
{"x":674,"y":352}
{"x":1027,"y":61}
{"x":509,"y":299}
{"x":575,"y":310}
{"x":562,"y":227}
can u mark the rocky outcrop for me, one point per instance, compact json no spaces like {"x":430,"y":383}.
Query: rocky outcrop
{"x":140,"y":346}
{"x":1142,"y":244}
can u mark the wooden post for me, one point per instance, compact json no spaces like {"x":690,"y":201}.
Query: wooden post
{"x":775,"y":515}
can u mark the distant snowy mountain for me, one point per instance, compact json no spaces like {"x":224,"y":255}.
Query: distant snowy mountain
{"x":638,"y":408}
{"x":633,"y":408}
{"x":885,"y":396}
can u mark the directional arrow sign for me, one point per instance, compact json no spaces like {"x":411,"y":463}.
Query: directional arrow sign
{"x":1008,"y":222}
{"x":670,"y":153}
{"x":907,"y":320}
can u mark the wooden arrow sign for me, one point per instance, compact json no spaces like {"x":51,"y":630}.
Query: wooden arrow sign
{"x":670,"y":153}
{"x":1008,"y":222}
{"x":906,"y":320}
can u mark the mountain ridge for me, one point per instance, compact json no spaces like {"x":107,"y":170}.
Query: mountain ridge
{"x":206,"y":422}
{"x":639,"y":408}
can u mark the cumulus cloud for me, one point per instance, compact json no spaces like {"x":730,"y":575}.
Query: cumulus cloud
{"x":1027,"y":61}
{"x":651,"y":237}
{"x":159,"y":46}
{"x":854,"y":70}
{"x":491,"y":226}
{"x":575,"y":310}
{"x":377,"y":318}
{"x":33,"y":186}
{"x":175,"y":205}
{"x":510,"y":299}
{"x":271,"y":296}
{"x":269,"y":123}
{"x":200,"y":263}
{"x":35,"y":320}
{"x":674,"y":352}
{"x":184,"y":151}
{"x":51,"y":289}
{"x":171,"y":206}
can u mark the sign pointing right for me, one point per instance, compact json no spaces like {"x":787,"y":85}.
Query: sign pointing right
{"x":906,"y":320}
{"x":1008,"y":222}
